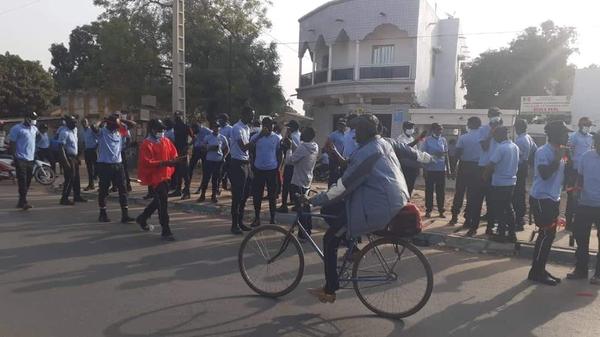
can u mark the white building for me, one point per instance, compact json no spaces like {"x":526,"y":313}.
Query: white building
{"x":378,"y":56}
{"x":586,"y":101}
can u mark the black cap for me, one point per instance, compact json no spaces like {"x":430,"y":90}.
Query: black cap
{"x":501,"y":132}
{"x":436,"y":126}
{"x":585,"y":121}
{"x":556,"y":127}
{"x":408,"y":125}
{"x":293,"y":124}
{"x":156,"y":125}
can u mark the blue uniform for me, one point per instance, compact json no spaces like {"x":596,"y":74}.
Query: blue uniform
{"x":109,"y":146}
{"x":239,"y":132}
{"x":212,"y":140}
{"x":90,"y":140}
{"x":589,"y":168}
{"x":580,"y":143}
{"x":527,"y":147}
{"x":202,"y":133}
{"x":43,"y":141}
{"x":437,"y":148}
{"x":350,"y":144}
{"x":266,"y":151}
{"x":471,"y":149}
{"x":551,"y":187}
{"x":337,"y":138}
{"x":506,"y":161}
{"x":68,"y":139}
{"x":484,"y":133}
{"x":23,"y":139}
{"x":226,"y":131}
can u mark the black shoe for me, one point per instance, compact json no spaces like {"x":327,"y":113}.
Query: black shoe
{"x":255,"y":223}
{"x":167,"y":237}
{"x":140,"y":220}
{"x":89,"y":188}
{"x":103,"y":217}
{"x":471,"y":233}
{"x":26,"y":206}
{"x":558,"y":280}
{"x":214,"y":199}
{"x":453,"y":221}
{"x":66,"y":202}
{"x":577,"y":275}
{"x":543,"y":279}
{"x":198,"y":191}
{"x":201,"y":199}
{"x":236,"y":230}
{"x":80,"y":199}
{"x":175,"y":194}
{"x":283,"y":209}
{"x":186,"y":196}
{"x":245,"y":228}
{"x":148,"y":197}
{"x":114,"y":189}
{"x":428,"y":215}
{"x":127,"y":219}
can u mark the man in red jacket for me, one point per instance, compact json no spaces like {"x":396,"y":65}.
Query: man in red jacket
{"x":156,"y":165}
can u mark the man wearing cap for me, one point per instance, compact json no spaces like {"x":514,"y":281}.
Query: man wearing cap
{"x":21,"y":140}
{"x":435,"y":176}
{"x":410,"y":167}
{"x":70,"y":162}
{"x":267,"y":158}
{"x":504,"y":163}
{"x":544,"y":200}
{"x":527,"y":149}
{"x":239,"y":170}
{"x":110,"y":165}
{"x":335,"y":141}
{"x":90,"y":141}
{"x":181,"y":133}
{"x":468,"y":152}
{"x":580,"y":142}
{"x":289,"y":144}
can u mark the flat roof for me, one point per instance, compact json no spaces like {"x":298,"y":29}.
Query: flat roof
{"x":322,"y":7}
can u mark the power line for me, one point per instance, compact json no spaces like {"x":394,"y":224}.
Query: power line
{"x":10,"y":10}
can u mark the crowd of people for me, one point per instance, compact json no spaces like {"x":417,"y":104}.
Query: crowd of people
{"x":489,"y":165}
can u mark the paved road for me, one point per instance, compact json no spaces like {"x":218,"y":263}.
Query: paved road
{"x":63,"y":275}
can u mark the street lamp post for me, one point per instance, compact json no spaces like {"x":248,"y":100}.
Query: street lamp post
{"x":179,"y":57}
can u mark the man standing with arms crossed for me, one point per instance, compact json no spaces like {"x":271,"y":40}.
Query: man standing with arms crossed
{"x":70,"y":162}
{"x":22,"y":146}
{"x":239,"y":170}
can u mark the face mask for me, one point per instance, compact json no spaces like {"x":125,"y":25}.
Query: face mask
{"x":495,"y":119}
{"x":33,"y":122}
{"x":410,"y":132}
{"x":159,"y":135}
{"x":585,"y":129}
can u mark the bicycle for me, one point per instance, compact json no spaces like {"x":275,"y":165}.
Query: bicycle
{"x":274,"y":256}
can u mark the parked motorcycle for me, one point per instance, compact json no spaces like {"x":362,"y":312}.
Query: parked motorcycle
{"x":42,"y":171}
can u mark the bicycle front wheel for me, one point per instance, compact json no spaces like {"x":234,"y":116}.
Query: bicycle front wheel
{"x":392,"y":278}
{"x":271,"y":261}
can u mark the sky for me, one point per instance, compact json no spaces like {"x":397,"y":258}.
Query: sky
{"x":29,"y":27}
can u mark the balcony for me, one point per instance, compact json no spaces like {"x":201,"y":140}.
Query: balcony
{"x":385,"y":72}
{"x":345,"y":74}
{"x":306,"y":80}
{"x":366,"y":73}
{"x":320,"y":76}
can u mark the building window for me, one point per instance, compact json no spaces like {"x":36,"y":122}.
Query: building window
{"x":383,"y":54}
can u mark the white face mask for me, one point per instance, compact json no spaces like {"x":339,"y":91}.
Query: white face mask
{"x":33,"y":122}
{"x":159,"y":135}
{"x":410,"y":132}
{"x":586,"y":129}
{"x":495,"y":119}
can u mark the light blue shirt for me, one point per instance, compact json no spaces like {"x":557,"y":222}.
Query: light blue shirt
{"x":109,"y":146}
{"x":471,"y":149}
{"x":337,"y":138}
{"x":23,"y":138}
{"x":240,"y":131}
{"x":202,"y":133}
{"x":68,"y":138}
{"x":589,"y":168}
{"x":484,"y":133}
{"x":43,"y":141}
{"x":526,"y":147}
{"x":437,"y":148}
{"x":580,"y":143}
{"x":350,"y":144}
{"x":90,"y":140}
{"x":212,"y":140}
{"x":170,"y":134}
{"x":551,"y":187}
{"x":266,"y":151}
{"x":506,"y":164}
{"x":226,"y":131}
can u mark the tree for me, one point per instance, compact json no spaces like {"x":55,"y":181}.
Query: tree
{"x":24,"y":86}
{"x":534,"y":64}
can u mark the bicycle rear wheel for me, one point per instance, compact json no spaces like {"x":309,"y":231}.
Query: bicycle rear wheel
{"x":271,"y":261}
{"x":392,"y":278}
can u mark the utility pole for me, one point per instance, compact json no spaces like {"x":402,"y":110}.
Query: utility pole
{"x":179,"y":57}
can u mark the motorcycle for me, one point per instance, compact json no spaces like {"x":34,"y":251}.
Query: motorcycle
{"x":42,"y":171}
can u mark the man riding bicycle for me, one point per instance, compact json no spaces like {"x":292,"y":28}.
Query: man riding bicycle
{"x":365,"y":199}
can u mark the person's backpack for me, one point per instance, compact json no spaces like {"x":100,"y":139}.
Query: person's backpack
{"x":406,"y":223}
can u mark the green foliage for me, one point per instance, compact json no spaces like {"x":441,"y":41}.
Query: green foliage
{"x":534,"y":64}
{"x":24,"y":86}
{"x":127,"y":53}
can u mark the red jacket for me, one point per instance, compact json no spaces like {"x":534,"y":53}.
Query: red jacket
{"x":152,"y":153}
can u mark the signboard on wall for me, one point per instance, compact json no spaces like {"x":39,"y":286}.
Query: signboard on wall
{"x":553,"y":105}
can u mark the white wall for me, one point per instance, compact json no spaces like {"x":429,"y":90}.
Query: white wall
{"x":427,"y":28}
{"x":586,"y":96}
{"x":445,"y":79}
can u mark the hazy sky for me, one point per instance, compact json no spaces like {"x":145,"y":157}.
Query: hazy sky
{"x":28,"y":27}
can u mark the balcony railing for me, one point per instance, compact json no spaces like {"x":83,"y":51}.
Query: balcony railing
{"x":385,"y":72}
{"x":320,"y":76}
{"x":346,"y":74}
{"x":306,"y":80}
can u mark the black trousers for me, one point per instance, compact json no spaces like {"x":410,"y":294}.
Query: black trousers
{"x":435,"y":181}
{"x":545,"y":212}
{"x":466,"y":171}
{"x":288,"y":173}
{"x":91,"y":157}
{"x":481,"y":189}
{"x":72,"y":180}
{"x":452,"y":160}
{"x":125,"y":169}
{"x":24,"y":170}
{"x":45,"y":155}
{"x":571,"y":179}
{"x":261,"y":179}
{"x":225,"y":170}
{"x":582,"y":227}
{"x":107,"y":174}
{"x":410,"y":175}
{"x":501,"y":209}
{"x":239,"y":171}
{"x":334,"y":236}
{"x":305,"y":221}
{"x":212,"y":172}
{"x":197,"y":156}
{"x":160,"y":203}
{"x":519,"y":196}
{"x":334,"y":172}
